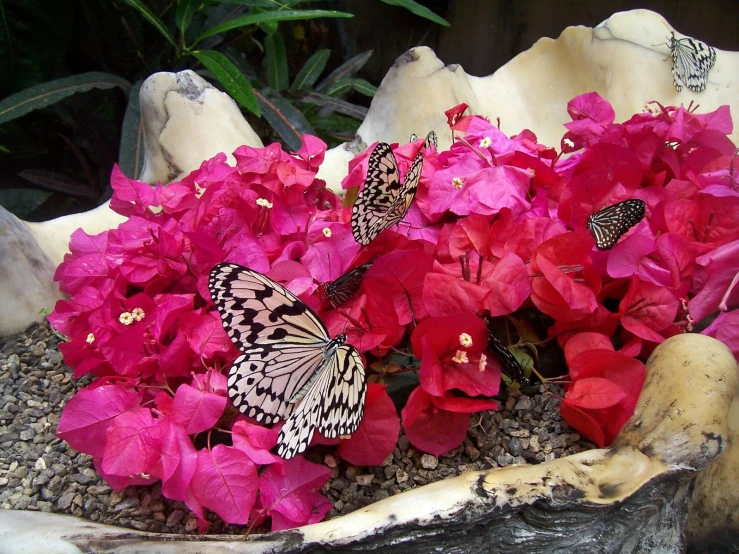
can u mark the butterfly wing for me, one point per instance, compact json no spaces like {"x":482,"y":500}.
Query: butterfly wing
{"x":334,"y":404}
{"x":381,"y":188}
{"x":282,"y":341}
{"x":407,"y":193}
{"x":431,"y":138}
{"x":609,"y":224}
{"x":342,"y":289}
{"x":691,"y":61}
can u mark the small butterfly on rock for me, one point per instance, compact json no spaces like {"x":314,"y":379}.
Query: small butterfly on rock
{"x":289,"y":367}
{"x":342,"y":289}
{"x":383,"y":201}
{"x":609,"y":224}
{"x":692,"y":59}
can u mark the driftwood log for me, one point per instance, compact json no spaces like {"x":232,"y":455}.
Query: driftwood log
{"x":632,"y":497}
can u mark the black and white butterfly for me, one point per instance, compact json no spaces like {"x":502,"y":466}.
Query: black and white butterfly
{"x":509,"y":363}
{"x":610,"y":223}
{"x":342,"y":289}
{"x":431,"y":138}
{"x":383,"y":202}
{"x":289,"y":367}
{"x":691,"y":62}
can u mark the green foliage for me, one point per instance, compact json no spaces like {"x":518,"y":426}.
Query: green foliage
{"x":214,"y":37}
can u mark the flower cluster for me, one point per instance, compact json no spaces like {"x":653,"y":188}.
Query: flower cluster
{"x":498,"y":229}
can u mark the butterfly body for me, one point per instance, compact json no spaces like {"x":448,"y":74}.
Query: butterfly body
{"x":289,"y":368}
{"x":609,"y":224}
{"x":692,"y":59}
{"x":337,"y":292}
{"x":383,"y":201}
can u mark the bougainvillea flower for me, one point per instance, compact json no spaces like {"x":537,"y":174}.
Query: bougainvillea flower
{"x":498,"y":227}
{"x":290,"y":493}
{"x":717,"y":280}
{"x":451,"y":352}
{"x":556,"y":292}
{"x":377,"y":434}
{"x":648,"y":309}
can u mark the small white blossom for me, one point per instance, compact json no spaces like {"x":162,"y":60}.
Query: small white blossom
{"x":126,"y":318}
{"x":138,"y":314}
{"x":460,"y":357}
{"x":90,"y":338}
{"x":485,"y":142}
{"x":483,"y":362}
{"x":465,"y":340}
{"x":457,"y":182}
{"x":568,"y":143}
{"x":326,"y":232}
{"x":264,"y":203}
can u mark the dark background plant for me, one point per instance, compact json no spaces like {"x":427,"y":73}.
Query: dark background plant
{"x":57,"y":147}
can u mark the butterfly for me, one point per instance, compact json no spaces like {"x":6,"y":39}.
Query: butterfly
{"x":691,"y":61}
{"x":342,"y":289}
{"x":289,"y":367}
{"x":383,"y":202}
{"x":510,"y":365}
{"x":609,"y":224}
{"x":431,"y":138}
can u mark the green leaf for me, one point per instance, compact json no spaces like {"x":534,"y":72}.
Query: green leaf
{"x":185,"y":10}
{"x":281,"y":15}
{"x":284,"y":118}
{"x":22,"y":202}
{"x":152,"y":18}
{"x":51,"y":180}
{"x":49,"y":93}
{"x":131,"y":150}
{"x":230,"y":77}
{"x":276,"y":60}
{"x":418,"y":9}
{"x":341,"y":106}
{"x":343,"y":86}
{"x":347,"y":69}
{"x":309,"y":73}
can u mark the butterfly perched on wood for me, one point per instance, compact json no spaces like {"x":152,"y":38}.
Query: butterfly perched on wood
{"x":383,"y":202}
{"x":610,"y":223}
{"x":289,"y":367}
{"x":691,"y":62}
{"x":342,"y":289}
{"x":509,"y":363}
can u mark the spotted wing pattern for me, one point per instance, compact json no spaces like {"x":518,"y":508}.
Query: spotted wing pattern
{"x":608,"y":225}
{"x":342,"y":289}
{"x":286,"y":355}
{"x":691,"y":62}
{"x":383,"y":202}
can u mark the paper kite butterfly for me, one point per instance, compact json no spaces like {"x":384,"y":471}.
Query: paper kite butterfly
{"x":342,"y":289}
{"x":691,"y":62}
{"x":383,"y":202}
{"x":289,"y":367}
{"x":609,"y":224}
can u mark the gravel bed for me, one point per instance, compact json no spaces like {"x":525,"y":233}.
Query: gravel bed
{"x":40,"y":472}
